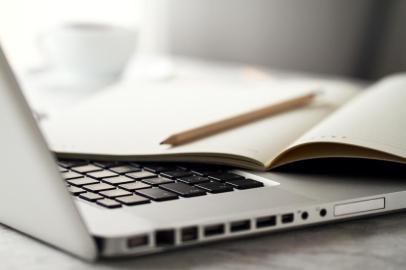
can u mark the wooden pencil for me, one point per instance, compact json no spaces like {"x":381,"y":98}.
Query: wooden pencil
{"x":238,"y":120}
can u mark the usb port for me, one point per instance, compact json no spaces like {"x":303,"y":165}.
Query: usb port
{"x":137,"y":241}
{"x":287,"y":218}
{"x":238,"y":226}
{"x":266,"y":221}
{"x":213,"y":230}
{"x":189,"y":234}
{"x":165,"y":237}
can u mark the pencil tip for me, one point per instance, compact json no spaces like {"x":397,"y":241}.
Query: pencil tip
{"x":168,"y":140}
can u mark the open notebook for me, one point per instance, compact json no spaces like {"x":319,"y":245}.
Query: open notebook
{"x":129,"y":122}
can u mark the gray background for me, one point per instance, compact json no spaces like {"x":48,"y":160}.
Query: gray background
{"x":363,"y":38}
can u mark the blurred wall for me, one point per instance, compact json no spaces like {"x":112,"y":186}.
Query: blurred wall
{"x":391,"y":55}
{"x":324,"y":36}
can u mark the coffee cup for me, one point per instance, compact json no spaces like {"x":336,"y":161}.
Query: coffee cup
{"x":89,"y":50}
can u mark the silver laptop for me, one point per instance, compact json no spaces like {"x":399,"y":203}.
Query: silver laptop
{"x":96,"y":209}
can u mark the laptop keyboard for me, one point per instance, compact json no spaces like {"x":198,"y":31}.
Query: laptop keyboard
{"x":118,"y":184}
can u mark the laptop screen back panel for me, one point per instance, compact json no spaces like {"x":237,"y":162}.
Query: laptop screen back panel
{"x":33,"y":196}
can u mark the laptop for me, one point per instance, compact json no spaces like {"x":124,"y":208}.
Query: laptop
{"x":94,"y":209}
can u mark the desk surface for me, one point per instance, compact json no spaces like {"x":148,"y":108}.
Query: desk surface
{"x":373,"y":243}
{"x":378,"y":242}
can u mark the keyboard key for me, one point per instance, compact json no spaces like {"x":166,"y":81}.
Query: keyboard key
{"x":157,"y":194}
{"x":62,"y":169}
{"x":155,"y":168}
{"x":64,"y":164}
{"x":176,"y":174}
{"x":124,"y":169}
{"x":98,"y":187}
{"x":194,"y":179}
{"x":90,"y":196}
{"x":86,"y":168}
{"x":133,"y":164}
{"x":141,"y":175}
{"x":215,"y":187}
{"x":133,"y":200}
{"x":184,"y":167}
{"x":105,"y":164}
{"x":82,"y":181}
{"x":102,"y":174}
{"x":108,"y":203}
{"x":157,"y":181}
{"x":71,"y":175}
{"x":203,"y":170}
{"x":118,"y":180}
{"x":245,"y":183}
{"x":72,"y":163}
{"x":134,"y":186}
{"x":76,"y":190}
{"x":225,"y":176}
{"x":113,"y":184}
{"x":203,"y":173}
{"x":115,"y":193}
{"x":183,"y":189}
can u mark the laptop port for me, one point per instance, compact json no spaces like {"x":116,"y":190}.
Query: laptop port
{"x":268,"y":221}
{"x":189,"y":234}
{"x":238,"y":226}
{"x":323,"y":212}
{"x":137,"y":241}
{"x":287,"y":218}
{"x":165,"y":238}
{"x":213,"y":230}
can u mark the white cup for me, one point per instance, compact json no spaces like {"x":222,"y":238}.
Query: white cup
{"x":89,"y":50}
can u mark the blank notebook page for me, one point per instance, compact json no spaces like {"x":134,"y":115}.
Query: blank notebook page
{"x":130,"y":120}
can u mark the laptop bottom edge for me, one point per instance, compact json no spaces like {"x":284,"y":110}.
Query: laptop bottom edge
{"x":175,"y":237}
